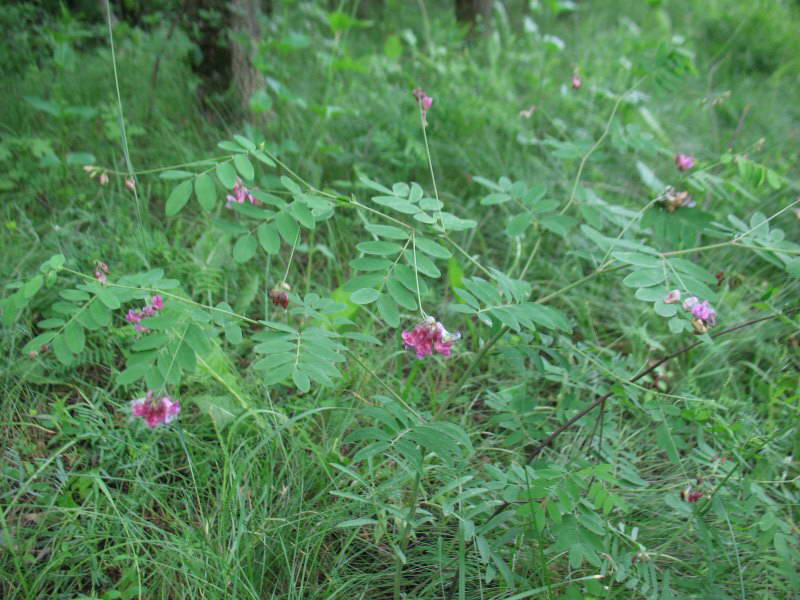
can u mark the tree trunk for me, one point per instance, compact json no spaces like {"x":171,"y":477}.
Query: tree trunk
{"x":469,"y":11}
{"x":245,"y":36}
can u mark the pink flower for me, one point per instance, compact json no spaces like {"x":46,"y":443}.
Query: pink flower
{"x":158,"y":302}
{"x":140,"y":328}
{"x":133,"y":316}
{"x":240,"y":194}
{"x":130,"y":184}
{"x":425,"y":103}
{"x":155,"y":411}
{"x":684,"y":162}
{"x":577,"y":82}
{"x":428,"y":336}
{"x":673,"y":297}
{"x":103,"y":180}
{"x":148,"y":311}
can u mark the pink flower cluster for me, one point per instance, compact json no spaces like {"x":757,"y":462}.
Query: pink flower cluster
{"x":425,"y":103}
{"x":703,"y":315}
{"x":155,"y":410}
{"x":240,"y":194}
{"x":135,"y":316}
{"x":101,"y":271}
{"x":684,"y":162}
{"x":428,"y":336}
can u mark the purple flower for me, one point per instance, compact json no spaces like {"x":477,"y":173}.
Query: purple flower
{"x":673,"y":297}
{"x":154,"y":410}
{"x":158,"y":302}
{"x":133,"y":316}
{"x":428,"y":336}
{"x":684,"y":162}
{"x":705,"y":313}
{"x":577,"y":82}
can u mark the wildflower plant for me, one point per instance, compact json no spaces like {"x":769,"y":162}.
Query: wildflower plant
{"x":413,"y":255}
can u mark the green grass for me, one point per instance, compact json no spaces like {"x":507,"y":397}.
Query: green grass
{"x":263,"y":491}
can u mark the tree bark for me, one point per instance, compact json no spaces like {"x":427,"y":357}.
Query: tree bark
{"x":469,"y":11}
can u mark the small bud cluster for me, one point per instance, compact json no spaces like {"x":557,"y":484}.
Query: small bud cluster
{"x":279,"y":295}
{"x":425,"y":103}
{"x":672,"y":200}
{"x":428,"y":336}
{"x":155,"y":410}
{"x":101,"y":271}
{"x":577,"y":82}
{"x":135,"y":316}
{"x":102,"y":176}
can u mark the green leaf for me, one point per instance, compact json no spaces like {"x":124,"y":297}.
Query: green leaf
{"x":206,"y":191}
{"x":263,"y":158}
{"x":197,"y":340}
{"x":100,"y":313}
{"x":432,"y":248}
{"x":638,"y":259}
{"x":178,"y":198}
{"x":244,"y":166}
{"x":226,"y":174}
{"x":245,"y":143}
{"x":176,"y":174}
{"x":379,"y":248}
{"x":62,"y":350}
{"x":186,"y":358}
{"x":665,"y":310}
{"x":401,"y":295}
{"x":245,"y":248}
{"x":75,"y":337}
{"x":40,"y":340}
{"x":387,"y":231}
{"x":302,"y":214}
{"x":134,"y":373}
{"x":387,"y":309}
{"x":108,"y":298}
{"x":644,"y":278}
{"x":367,"y":263}
{"x":31,"y":287}
{"x":364,"y":296}
{"x":301,"y":380}
{"x":518,"y":224}
{"x":287,"y":227}
{"x":268,"y":238}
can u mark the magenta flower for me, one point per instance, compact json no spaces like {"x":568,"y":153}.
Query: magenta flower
{"x":154,"y":410}
{"x":577,"y":82}
{"x":135,"y":316}
{"x":240,"y":194}
{"x":428,"y":336}
{"x":673,"y":297}
{"x":684,"y":162}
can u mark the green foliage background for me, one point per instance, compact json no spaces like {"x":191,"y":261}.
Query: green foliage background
{"x":318,"y":481}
